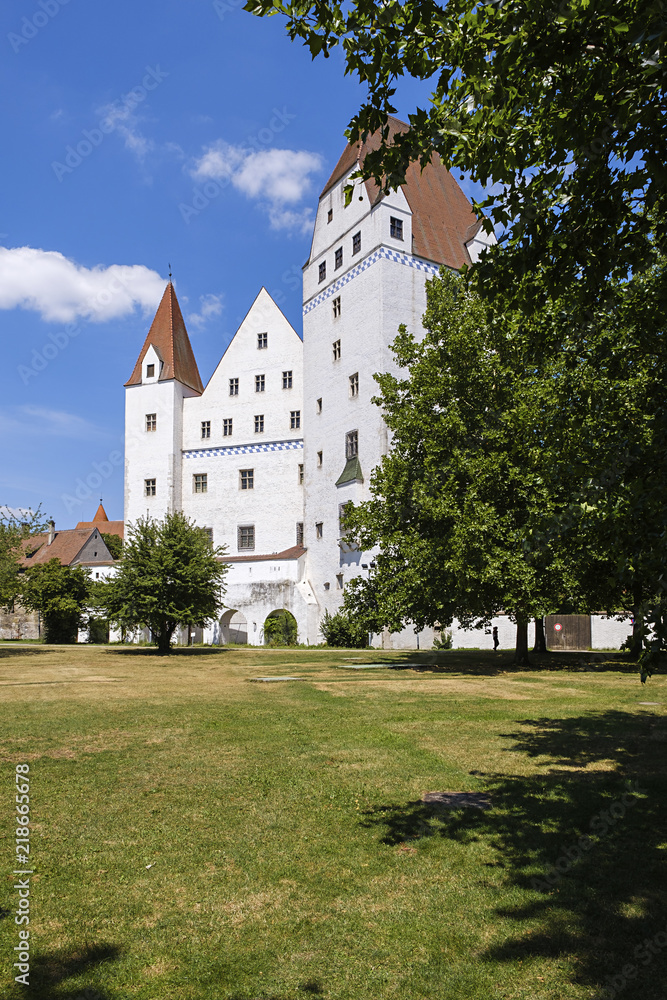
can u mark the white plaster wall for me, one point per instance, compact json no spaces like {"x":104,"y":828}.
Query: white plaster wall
{"x":609,"y":633}
{"x":483,"y":638}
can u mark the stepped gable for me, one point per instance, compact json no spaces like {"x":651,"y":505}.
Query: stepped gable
{"x":170,"y":339}
{"x":442,"y":217}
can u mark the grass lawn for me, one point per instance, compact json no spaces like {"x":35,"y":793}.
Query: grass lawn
{"x":197,"y":836}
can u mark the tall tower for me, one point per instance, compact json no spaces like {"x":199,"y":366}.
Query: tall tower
{"x":366,"y":274}
{"x":165,"y":374}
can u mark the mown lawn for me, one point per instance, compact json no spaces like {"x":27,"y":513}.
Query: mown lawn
{"x":290,"y":852}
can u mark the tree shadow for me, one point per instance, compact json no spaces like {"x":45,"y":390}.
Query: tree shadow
{"x":50,"y":972}
{"x":6,"y":650}
{"x":486,"y":663}
{"x":585,"y":838}
{"x":175,"y":652}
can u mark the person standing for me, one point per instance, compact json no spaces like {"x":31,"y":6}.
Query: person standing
{"x":495,"y":638}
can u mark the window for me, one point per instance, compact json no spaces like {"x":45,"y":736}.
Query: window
{"x":336,"y":307}
{"x":150,"y":371}
{"x":209,"y":535}
{"x":327,"y":586}
{"x":354,"y":385}
{"x":200,"y":482}
{"x":319,"y":459}
{"x":339,"y":581}
{"x":301,"y":474}
{"x":262,"y":341}
{"x":319,"y":529}
{"x":246,"y":536}
{"x":247,"y":479}
{"x":396,"y":228}
{"x":287,"y":380}
{"x":233,"y":387}
{"x":319,"y":405}
{"x":260,"y":381}
{"x":151,"y":421}
{"x":149,"y":487}
{"x":336,"y":350}
{"x":206,"y":428}
{"x":299,"y":532}
{"x":338,"y":258}
{"x":227,"y":427}
{"x":259,"y":423}
{"x":356,"y":243}
{"x":323,"y":270}
{"x":330,"y":216}
{"x":295,"y":419}
{"x":352,"y":444}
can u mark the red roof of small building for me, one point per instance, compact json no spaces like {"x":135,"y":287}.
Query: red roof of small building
{"x":65,"y":547}
{"x":170,"y":339}
{"x":102,"y":522}
{"x":442,"y":217}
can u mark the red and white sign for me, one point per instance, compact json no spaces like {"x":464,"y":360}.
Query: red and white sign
{"x":558,"y":627}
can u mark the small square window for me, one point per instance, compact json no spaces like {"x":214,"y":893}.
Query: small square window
{"x":323,"y":270}
{"x":352,"y":444}
{"x":336,"y":307}
{"x":260,"y":383}
{"x":396,"y":228}
{"x":151,"y":421}
{"x":319,"y":459}
{"x":227,"y":427}
{"x":336,"y":350}
{"x":149,"y":487}
{"x":259,"y":423}
{"x":262,"y":341}
{"x":339,"y":581}
{"x":330,"y":216}
{"x":319,"y":529}
{"x":354,"y":385}
{"x":206,"y":428}
{"x":338,"y":258}
{"x":247,"y":479}
{"x":327,"y":586}
{"x":287,"y":380}
{"x":246,"y":536}
{"x":356,"y":243}
{"x":200,"y":482}
{"x":150,"y":371}
{"x":301,"y":474}
{"x":233,"y":387}
{"x":295,"y":419}
{"x":299,"y":532}
{"x":319,"y":405}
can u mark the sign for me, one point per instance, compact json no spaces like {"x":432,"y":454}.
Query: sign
{"x":558,"y":627}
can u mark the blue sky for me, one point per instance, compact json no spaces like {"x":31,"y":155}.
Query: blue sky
{"x":134,"y":135}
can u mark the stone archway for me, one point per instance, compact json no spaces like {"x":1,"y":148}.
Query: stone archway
{"x":233,"y":628}
{"x":280,"y":628}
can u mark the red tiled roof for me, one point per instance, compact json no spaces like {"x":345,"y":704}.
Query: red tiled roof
{"x":442,"y":217}
{"x":65,"y":546}
{"x":170,"y":339}
{"x":102,"y":522}
{"x":294,"y":553}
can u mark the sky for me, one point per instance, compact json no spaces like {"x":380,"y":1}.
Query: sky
{"x":135,"y":136}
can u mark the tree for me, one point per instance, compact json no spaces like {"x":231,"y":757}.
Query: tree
{"x":113,"y":543}
{"x":558,"y":104}
{"x":16,"y":527}
{"x":169,"y":577}
{"x":344,"y":630}
{"x":59,"y":593}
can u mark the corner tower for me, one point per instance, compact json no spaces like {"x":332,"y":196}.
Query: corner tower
{"x":366,"y":274}
{"x":164,"y":375}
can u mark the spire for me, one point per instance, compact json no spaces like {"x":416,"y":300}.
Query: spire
{"x":101,"y":514}
{"x":170,"y":338}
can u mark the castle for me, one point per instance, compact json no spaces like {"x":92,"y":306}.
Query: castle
{"x":266,"y":455}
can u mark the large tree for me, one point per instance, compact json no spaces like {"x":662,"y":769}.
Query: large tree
{"x":169,"y":577}
{"x":559,"y":104}
{"x":59,"y":593}
{"x":16,"y":527}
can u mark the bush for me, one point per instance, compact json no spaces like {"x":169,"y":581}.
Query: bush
{"x":280,"y":629}
{"x":343,"y":632}
{"x":444,"y":641}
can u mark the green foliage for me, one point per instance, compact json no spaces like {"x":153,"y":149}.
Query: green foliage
{"x":444,"y":640}
{"x":168,"y":577}
{"x":558,"y":105}
{"x":114,"y":544}
{"x":59,"y":593}
{"x":280,"y":629}
{"x":343,"y":630}
{"x":15,"y":529}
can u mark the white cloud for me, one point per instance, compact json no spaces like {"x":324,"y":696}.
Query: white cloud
{"x":122,"y":119}
{"x":275,"y":177}
{"x":62,"y":291}
{"x":40,"y":421}
{"x":210,"y":305}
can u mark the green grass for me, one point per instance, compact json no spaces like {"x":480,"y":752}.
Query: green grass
{"x":290,"y":852}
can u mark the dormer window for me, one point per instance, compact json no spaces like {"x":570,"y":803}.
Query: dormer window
{"x":150,"y":371}
{"x":396,"y":228}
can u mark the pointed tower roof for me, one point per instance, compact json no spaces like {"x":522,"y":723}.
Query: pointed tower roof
{"x":443,"y":220}
{"x":100,"y":514}
{"x":170,"y":339}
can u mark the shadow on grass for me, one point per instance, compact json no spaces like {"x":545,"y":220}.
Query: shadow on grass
{"x":486,"y":663}
{"x":49,"y":974}
{"x":154,"y":651}
{"x":587,"y":847}
{"x":6,"y":650}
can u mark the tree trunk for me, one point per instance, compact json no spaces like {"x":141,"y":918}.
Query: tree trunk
{"x":521,"y":651}
{"x":164,"y":641}
{"x":540,"y":638}
{"x":636,"y":647}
